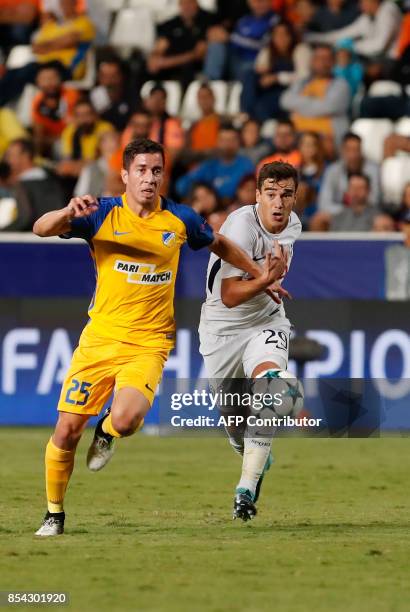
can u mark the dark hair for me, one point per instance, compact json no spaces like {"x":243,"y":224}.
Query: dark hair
{"x":202,"y":185}
{"x":288,"y":122}
{"x":273,"y":51}
{"x":206,"y":85}
{"x":228,"y":127}
{"x":351,"y":136}
{"x":362,"y":176}
{"x":55,"y":66}
{"x":326,"y":46}
{"x":84,"y":101}
{"x":158,"y":87}
{"x":278,"y":171}
{"x":26,"y":146}
{"x":139,"y":146}
{"x":245,"y":179}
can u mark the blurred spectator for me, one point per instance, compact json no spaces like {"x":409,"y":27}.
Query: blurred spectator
{"x":65,"y":42}
{"x":333,"y":15}
{"x":229,"y":55}
{"x":203,"y":134}
{"x":79,"y":140}
{"x":112,"y":99}
{"x":36,"y":192}
{"x":10,"y":129}
{"x":359,"y":215}
{"x":139,"y":126}
{"x":224,"y":171}
{"x":203,"y":199}
{"x":165,"y":129}
{"x":374,"y":32}
{"x":228,"y":13}
{"x":320,"y":103}
{"x":52,"y":108}
{"x":311,"y":170}
{"x":332,"y":197}
{"x":181,"y":44}
{"x":17,"y":20}
{"x":245,"y":194}
{"x":347,"y":66}
{"x":217,"y":219}
{"x":395,"y":143}
{"x":253,"y":145}
{"x":284,"y":145}
{"x":383,"y":223}
{"x":276,"y":66}
{"x":93,"y":176}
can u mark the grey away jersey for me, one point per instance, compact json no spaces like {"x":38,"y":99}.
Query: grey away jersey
{"x":244,"y":227}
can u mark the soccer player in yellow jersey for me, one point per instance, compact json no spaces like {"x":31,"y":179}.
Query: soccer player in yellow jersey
{"x":135,"y":242}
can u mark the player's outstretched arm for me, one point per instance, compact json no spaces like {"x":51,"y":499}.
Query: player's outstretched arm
{"x":230,"y":252}
{"x":58,"y":222}
{"x":236,"y":291}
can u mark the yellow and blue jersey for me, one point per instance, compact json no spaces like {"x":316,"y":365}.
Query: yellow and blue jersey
{"x":136,"y":262}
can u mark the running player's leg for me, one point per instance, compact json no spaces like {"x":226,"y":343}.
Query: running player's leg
{"x":88,"y":385}
{"x":261,"y":355}
{"x":136,"y":381}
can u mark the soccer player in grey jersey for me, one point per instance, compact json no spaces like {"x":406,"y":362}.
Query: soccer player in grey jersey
{"x":244,"y":334}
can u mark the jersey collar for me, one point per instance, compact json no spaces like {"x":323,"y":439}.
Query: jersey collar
{"x":157,"y":208}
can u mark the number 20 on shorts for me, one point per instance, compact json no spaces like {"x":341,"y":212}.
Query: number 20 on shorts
{"x":82,"y":387}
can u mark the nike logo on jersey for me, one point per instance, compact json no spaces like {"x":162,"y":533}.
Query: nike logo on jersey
{"x":149,"y":388}
{"x":117,"y":233}
{"x":258,"y":258}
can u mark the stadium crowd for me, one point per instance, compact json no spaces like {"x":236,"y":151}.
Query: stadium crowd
{"x":225,"y":86}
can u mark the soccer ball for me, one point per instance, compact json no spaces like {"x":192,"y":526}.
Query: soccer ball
{"x":287,"y":389}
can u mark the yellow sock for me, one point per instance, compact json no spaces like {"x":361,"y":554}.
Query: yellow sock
{"x":59,"y":466}
{"x":108,"y":428}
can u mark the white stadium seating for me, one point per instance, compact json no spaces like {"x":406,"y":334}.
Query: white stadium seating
{"x":395,"y":174}
{"x":19,"y":56}
{"x":373,"y":133}
{"x":402,"y":126}
{"x":384,"y":88}
{"x":133,"y":28}
{"x":234,"y":101}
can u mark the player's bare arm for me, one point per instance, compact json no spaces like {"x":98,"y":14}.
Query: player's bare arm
{"x":230,"y":252}
{"x":236,"y":290}
{"x":58,"y":222}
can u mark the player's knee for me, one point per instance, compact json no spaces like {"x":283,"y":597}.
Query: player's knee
{"x":126,"y":425}
{"x":67,"y":435}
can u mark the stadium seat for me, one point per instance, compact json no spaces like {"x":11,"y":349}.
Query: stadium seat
{"x":234,"y":101}
{"x":162,"y":10}
{"x":208,"y":5}
{"x":385,"y":88}
{"x":19,"y":56}
{"x":190,"y":110}
{"x":174,"y":94}
{"x":394,"y":175}
{"x":88,"y":80}
{"x":373,"y":133}
{"x":114,"y":5}
{"x":268,"y":129}
{"x":402,"y":126}
{"x":24,"y":104}
{"x":133,"y":28}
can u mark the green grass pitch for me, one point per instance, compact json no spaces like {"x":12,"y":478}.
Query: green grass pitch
{"x":153,"y":531}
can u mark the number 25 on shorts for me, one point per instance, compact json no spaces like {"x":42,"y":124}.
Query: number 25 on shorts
{"x":83,"y":393}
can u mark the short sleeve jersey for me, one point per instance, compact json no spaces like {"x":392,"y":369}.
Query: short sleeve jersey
{"x":244,"y":227}
{"x":136,"y":262}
